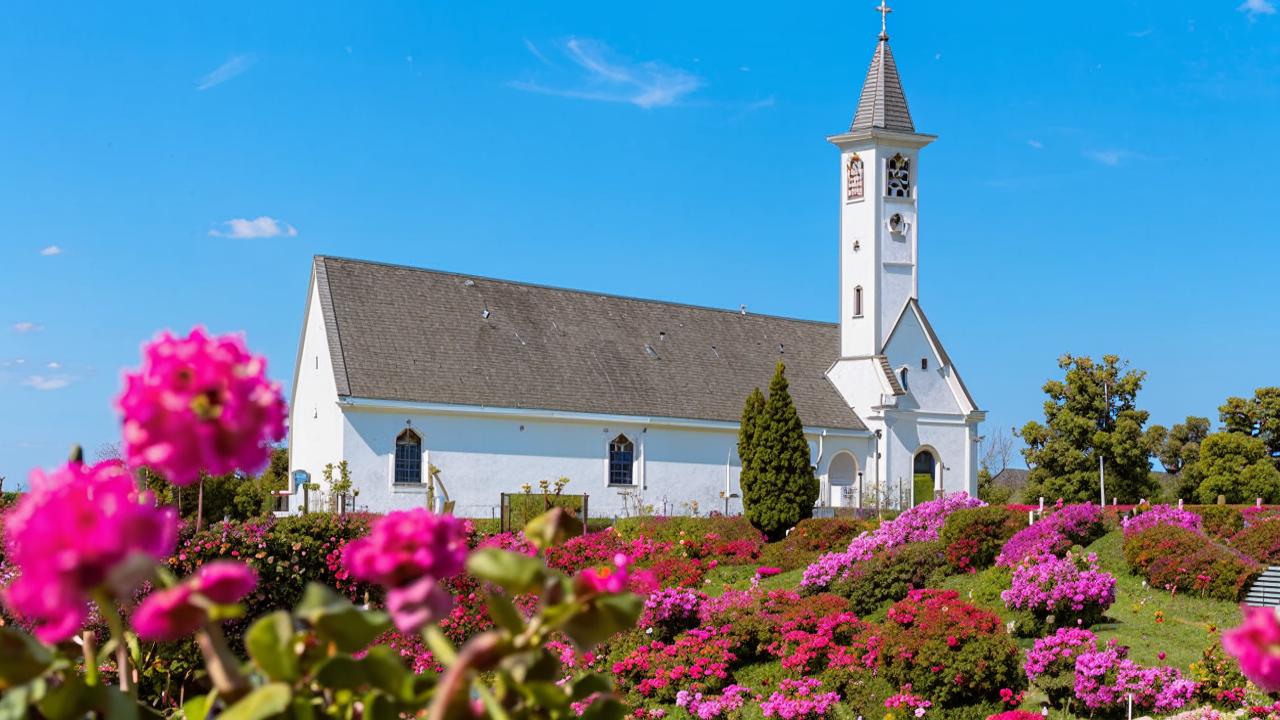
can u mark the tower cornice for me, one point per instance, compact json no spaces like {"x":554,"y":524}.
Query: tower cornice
{"x":883,"y":137}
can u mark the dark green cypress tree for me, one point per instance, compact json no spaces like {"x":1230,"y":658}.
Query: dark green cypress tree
{"x":778,"y":485}
{"x":752,"y":411}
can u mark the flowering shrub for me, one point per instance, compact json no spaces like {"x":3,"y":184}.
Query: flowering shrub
{"x":1221,"y":522}
{"x":1163,"y":515}
{"x":698,"y":660}
{"x":1218,"y":674}
{"x":974,"y":536}
{"x":1260,"y":541}
{"x":1054,"y":534}
{"x":810,"y":537}
{"x":674,"y":571}
{"x":1071,"y":590}
{"x":752,"y":619}
{"x":810,"y":645}
{"x":1016,"y":715}
{"x":914,"y":706}
{"x":715,"y":706}
{"x":599,"y":548}
{"x":890,"y":575}
{"x":671,"y":611}
{"x":1051,"y":661}
{"x":921,"y":523}
{"x":948,"y":650}
{"x":1178,"y":559}
{"x":1106,"y":678}
{"x":799,"y":699}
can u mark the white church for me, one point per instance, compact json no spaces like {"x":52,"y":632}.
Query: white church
{"x":499,"y":384}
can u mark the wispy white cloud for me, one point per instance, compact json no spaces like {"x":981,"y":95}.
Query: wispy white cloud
{"x":234,"y":66}
{"x":1257,"y":8}
{"x":1110,"y":158}
{"x":1144,"y":32}
{"x":47,"y":382}
{"x":51,"y":250}
{"x":259,"y":227}
{"x":55,"y":365}
{"x":598,"y":74}
{"x":25,"y":327}
{"x":1036,"y":144}
{"x":534,"y":51}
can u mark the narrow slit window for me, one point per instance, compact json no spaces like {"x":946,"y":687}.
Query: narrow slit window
{"x":857,"y":301}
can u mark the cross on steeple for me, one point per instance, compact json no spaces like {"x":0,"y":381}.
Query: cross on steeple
{"x":884,"y":11}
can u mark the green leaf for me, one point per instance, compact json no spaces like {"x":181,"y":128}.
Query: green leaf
{"x":546,"y":695}
{"x":337,"y":620}
{"x":270,"y":644}
{"x":115,"y":705}
{"x":341,"y":672}
{"x":590,"y":683}
{"x":552,"y":528}
{"x":267,"y":701}
{"x":504,"y":613}
{"x":387,"y":672}
{"x":197,"y":708}
{"x":70,"y":699}
{"x":22,"y":658}
{"x":439,"y":645}
{"x":608,"y":708}
{"x":533,"y":665}
{"x":379,"y":707}
{"x":514,"y":572}
{"x":602,"y":617}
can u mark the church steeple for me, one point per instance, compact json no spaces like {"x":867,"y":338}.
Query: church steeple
{"x":883,"y":104}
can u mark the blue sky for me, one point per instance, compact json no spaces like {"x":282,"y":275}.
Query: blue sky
{"x":1104,"y":179}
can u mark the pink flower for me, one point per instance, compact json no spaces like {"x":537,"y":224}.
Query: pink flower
{"x":607,"y":580}
{"x":81,"y":528}
{"x":200,"y":404}
{"x":765,"y":572}
{"x":1256,"y":645}
{"x":408,"y":552}
{"x":176,"y":612}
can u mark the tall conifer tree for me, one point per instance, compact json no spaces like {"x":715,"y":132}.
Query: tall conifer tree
{"x":779,"y":487}
{"x":752,"y":411}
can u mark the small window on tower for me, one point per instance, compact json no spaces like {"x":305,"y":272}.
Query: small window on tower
{"x":902,"y":376}
{"x":897,"y":177}
{"x":853,"y":178}
{"x":857,"y":301}
{"x":924,"y":363}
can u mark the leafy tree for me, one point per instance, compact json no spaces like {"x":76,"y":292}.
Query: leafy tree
{"x":1178,"y":448}
{"x":1258,"y":416}
{"x":994,"y":453}
{"x":779,"y":487}
{"x":1236,"y":466}
{"x":752,"y":410}
{"x":1090,"y":413}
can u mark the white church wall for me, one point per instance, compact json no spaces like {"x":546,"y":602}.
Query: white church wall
{"x":928,"y":389}
{"x":315,"y":422}
{"x":947,"y":437}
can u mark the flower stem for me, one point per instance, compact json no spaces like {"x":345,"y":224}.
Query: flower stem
{"x":115,"y":623}
{"x":90,"y":658}
{"x":224,"y":668}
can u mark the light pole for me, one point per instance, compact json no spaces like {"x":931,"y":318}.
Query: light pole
{"x":1102,"y":470}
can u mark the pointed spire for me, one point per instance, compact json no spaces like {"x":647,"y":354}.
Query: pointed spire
{"x":883,"y":104}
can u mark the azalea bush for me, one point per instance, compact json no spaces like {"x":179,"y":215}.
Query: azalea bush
{"x":1054,"y":534}
{"x":811,"y":537}
{"x":1221,"y":522}
{"x":697,"y":660}
{"x":889,"y":575}
{"x":88,"y":541}
{"x":1260,"y":541}
{"x":1106,"y":679}
{"x":921,"y":523}
{"x":1163,"y":515}
{"x":1061,"y":591}
{"x":1177,"y":559}
{"x":974,"y":536}
{"x":1051,"y":662}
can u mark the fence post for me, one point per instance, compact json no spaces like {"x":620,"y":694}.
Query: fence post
{"x":586,"y":516}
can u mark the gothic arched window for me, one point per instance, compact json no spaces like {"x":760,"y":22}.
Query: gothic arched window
{"x":621,"y":461}
{"x":897,"y":177}
{"x":408,"y":458}
{"x":853,"y":178}
{"x":857,"y":301}
{"x":902,"y":374}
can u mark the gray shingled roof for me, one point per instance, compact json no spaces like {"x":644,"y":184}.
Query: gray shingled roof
{"x":401,"y":333}
{"x":883,"y":104}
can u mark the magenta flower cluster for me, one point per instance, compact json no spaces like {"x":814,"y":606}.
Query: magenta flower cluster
{"x":200,"y":404}
{"x":1054,"y":534}
{"x":1106,"y":678}
{"x":1163,"y":515}
{"x":176,"y":612}
{"x":799,"y":699}
{"x":711,"y":707}
{"x":408,"y":552}
{"x":674,"y":609}
{"x":1055,"y":655}
{"x":921,"y":523}
{"x":79,"y":530}
{"x":1070,"y":588}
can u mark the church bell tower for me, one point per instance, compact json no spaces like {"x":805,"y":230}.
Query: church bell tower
{"x":879,"y":212}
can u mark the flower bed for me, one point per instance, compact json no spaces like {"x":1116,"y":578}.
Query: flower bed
{"x":973,"y":537}
{"x":1054,"y":534}
{"x":1060,"y":592}
{"x":921,"y":523}
{"x":1176,"y":559}
{"x":697,"y":660}
{"x":1260,"y":541}
{"x":1163,"y":515}
{"x":1106,"y":679}
{"x":1051,"y":661}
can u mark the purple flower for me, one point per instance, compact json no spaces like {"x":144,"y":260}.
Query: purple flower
{"x":1163,"y":515}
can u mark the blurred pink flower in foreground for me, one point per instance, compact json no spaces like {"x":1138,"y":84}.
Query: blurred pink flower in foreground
{"x":1256,"y":645}
{"x":176,"y":612}
{"x":608,"y":580}
{"x":76,"y":531}
{"x":200,"y":403}
{"x":407,"y":552}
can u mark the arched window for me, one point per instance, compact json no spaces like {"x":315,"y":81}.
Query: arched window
{"x":902,"y":375}
{"x":841,"y":477}
{"x":622,"y":454}
{"x":408,"y":458}
{"x":897,"y":177}
{"x":925,"y":474}
{"x":857,"y":301}
{"x":853,"y":178}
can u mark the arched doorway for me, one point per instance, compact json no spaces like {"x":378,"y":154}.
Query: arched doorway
{"x":841,"y":474}
{"x":925,"y":468}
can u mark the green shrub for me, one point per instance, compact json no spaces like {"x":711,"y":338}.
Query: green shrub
{"x":811,"y":538}
{"x":1260,"y":541}
{"x":1172,"y":557}
{"x":1220,"y":521}
{"x":1216,"y":672}
{"x":888,"y":576}
{"x":983,"y":530}
{"x":673,"y":529}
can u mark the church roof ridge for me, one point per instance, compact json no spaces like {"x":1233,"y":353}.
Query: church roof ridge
{"x":883,"y":104}
{"x":578,"y":291}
